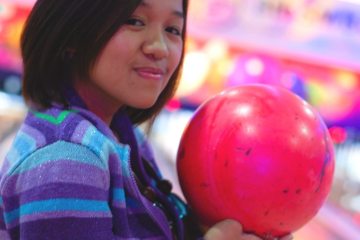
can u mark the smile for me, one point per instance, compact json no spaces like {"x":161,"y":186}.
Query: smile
{"x":150,"y":73}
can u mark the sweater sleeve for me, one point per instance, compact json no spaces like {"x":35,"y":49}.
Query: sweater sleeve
{"x":60,"y":191}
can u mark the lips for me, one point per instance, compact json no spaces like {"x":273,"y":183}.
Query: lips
{"x":150,"y":73}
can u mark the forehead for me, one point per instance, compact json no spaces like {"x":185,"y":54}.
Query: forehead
{"x":174,"y":7}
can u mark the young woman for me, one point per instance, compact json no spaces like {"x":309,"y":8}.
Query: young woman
{"x":79,"y":167}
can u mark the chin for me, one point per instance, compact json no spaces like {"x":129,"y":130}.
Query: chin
{"x":143,"y":105}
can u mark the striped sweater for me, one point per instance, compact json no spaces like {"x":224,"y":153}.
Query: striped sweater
{"x":67,"y":177}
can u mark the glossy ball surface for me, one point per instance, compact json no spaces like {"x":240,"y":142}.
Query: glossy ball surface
{"x":258,"y":154}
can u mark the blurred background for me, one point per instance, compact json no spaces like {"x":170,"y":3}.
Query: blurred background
{"x":311,"y":47}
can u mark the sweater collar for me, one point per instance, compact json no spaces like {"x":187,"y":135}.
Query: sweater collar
{"x":121,"y":128}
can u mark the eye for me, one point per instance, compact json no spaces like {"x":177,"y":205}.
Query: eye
{"x":135,"y":22}
{"x":173,"y":30}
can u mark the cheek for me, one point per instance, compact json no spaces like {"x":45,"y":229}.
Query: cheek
{"x":176,"y":57}
{"x":111,"y":61}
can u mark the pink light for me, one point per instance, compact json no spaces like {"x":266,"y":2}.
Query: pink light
{"x":173,"y":105}
{"x":338,"y":134}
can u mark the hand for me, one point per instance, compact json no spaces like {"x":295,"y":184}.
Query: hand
{"x":232,"y":230}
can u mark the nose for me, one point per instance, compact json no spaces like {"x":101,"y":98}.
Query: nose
{"x":155,"y":46}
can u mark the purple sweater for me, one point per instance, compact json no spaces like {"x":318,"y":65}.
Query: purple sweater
{"x":68,"y":177}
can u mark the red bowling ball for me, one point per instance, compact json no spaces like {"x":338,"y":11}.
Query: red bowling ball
{"x":258,"y":154}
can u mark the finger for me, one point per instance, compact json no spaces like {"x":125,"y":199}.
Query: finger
{"x":227,"y":230}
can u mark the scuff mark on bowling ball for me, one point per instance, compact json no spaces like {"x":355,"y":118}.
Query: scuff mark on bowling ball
{"x":296,"y":117}
{"x":286,"y":190}
{"x":226,"y":163}
{"x":246,"y":151}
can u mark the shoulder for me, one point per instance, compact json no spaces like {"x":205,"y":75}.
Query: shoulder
{"x":60,"y":134}
{"x":61,"y":179}
{"x":77,"y":126}
{"x":57,"y":162}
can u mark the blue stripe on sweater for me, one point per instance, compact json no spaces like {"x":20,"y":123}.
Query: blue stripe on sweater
{"x":123,"y":151}
{"x":61,"y":151}
{"x":96,"y":141}
{"x":57,"y":205}
{"x":119,"y":194}
{"x":23,"y":145}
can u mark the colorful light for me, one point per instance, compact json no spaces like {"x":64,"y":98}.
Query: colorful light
{"x":255,"y":68}
{"x":338,"y":134}
{"x":196,"y":68}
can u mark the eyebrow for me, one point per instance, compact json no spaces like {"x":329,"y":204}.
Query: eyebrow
{"x":179,"y":14}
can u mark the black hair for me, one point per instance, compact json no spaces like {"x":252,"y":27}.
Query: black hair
{"x":56,"y":29}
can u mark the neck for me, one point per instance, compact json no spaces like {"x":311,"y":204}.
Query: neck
{"x":96,"y":100}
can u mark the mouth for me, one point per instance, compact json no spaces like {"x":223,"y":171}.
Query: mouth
{"x":150,"y":73}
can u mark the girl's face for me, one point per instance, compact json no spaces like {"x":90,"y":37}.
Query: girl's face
{"x":138,"y":61}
